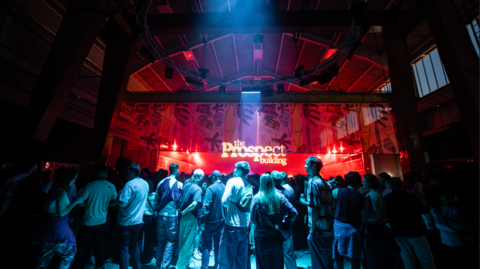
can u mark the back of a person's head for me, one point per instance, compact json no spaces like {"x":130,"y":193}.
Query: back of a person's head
{"x":173,"y":168}
{"x":146,"y":171}
{"x":277,"y":177}
{"x":372,"y":181}
{"x":314,"y":160}
{"x":243,"y":166}
{"x":353,"y":179}
{"x":143,"y":175}
{"x":284,"y":175}
{"x":385,"y":178}
{"x":340,"y":182}
{"x":63,"y":178}
{"x":396,"y":183}
{"x":134,"y":168}
{"x":101,"y":172}
{"x":410,"y":177}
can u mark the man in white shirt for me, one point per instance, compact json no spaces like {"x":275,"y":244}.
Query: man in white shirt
{"x":169,"y":191}
{"x":96,"y":197}
{"x":8,"y":190}
{"x":132,"y":200}
{"x":234,"y":242}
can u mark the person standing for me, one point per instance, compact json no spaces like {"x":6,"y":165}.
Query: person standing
{"x":404,"y":212}
{"x":234,"y":241}
{"x":385,"y":179}
{"x":285,"y":183}
{"x":169,"y":192}
{"x":189,"y":208}
{"x":8,"y":190}
{"x":147,"y":234}
{"x":273,"y":216}
{"x":53,"y":235}
{"x":132,"y":200}
{"x":212,"y":219}
{"x":96,"y":197}
{"x":347,"y":226}
{"x":379,"y":244}
{"x":321,"y":207}
{"x":289,"y":253}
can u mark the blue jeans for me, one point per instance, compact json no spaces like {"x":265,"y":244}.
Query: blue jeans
{"x":129,"y":238}
{"x":234,"y":248}
{"x":212,"y":230}
{"x":44,"y":252}
{"x":269,"y":253}
{"x":321,"y":252}
{"x":167,"y":231}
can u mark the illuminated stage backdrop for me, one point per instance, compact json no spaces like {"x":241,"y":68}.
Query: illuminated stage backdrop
{"x":266,"y":131}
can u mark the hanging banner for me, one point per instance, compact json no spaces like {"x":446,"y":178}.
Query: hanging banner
{"x":275,"y":127}
{"x":378,"y":130}
{"x":208,"y":127}
{"x":147,"y":118}
{"x":241,"y":123}
{"x":176,"y":129}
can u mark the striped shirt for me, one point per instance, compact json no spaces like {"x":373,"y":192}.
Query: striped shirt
{"x":319,"y":197}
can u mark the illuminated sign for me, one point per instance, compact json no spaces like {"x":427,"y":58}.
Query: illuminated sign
{"x":260,"y":154}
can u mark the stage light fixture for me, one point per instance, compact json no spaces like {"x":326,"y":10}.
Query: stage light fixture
{"x":267,"y":91}
{"x":168,"y":72}
{"x":298,"y":71}
{"x":203,"y":72}
{"x":334,"y":69}
{"x":194,"y":82}
{"x":280,"y":89}
{"x":222,"y":89}
{"x":324,"y":78}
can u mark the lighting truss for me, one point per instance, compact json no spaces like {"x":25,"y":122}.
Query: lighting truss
{"x":354,"y":36}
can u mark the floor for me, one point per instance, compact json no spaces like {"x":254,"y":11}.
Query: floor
{"x":302,"y":262}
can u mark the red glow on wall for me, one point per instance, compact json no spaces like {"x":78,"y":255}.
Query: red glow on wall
{"x":329,"y":53}
{"x":334,"y":164}
{"x":188,"y":55}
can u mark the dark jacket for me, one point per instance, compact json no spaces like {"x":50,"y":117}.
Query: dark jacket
{"x":405,"y":214}
{"x":212,"y":210}
{"x":265,"y":223}
{"x":349,"y":206}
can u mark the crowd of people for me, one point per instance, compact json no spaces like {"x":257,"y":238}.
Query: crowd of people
{"x":167,"y":218}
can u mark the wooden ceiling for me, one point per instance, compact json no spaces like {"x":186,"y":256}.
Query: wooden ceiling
{"x":232,"y":56}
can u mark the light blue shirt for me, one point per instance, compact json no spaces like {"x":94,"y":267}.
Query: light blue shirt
{"x":134,"y":195}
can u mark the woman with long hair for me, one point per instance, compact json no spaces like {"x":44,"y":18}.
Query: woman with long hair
{"x":54,"y":235}
{"x":273,"y":216}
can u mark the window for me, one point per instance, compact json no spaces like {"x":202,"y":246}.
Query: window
{"x":474,"y":33}
{"x":386,"y":88}
{"x":429,"y":74}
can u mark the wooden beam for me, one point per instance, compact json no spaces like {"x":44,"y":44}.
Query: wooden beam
{"x":316,"y":97}
{"x":216,"y":57}
{"x":343,"y":65}
{"x":259,"y":21}
{"x":356,"y":81}
{"x":279,"y":53}
{"x":159,"y":78}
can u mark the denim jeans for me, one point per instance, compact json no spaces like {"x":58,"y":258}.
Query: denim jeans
{"x":269,"y":253}
{"x":128,"y":238}
{"x":212,"y":231}
{"x":148,"y":235}
{"x":186,"y":239}
{"x":234,"y":248}
{"x":43,"y":253}
{"x":289,"y":258}
{"x":167,"y":230}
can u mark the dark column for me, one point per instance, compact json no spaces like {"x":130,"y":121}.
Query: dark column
{"x":77,"y":32}
{"x":403,"y":96}
{"x":460,"y":60}
{"x":117,"y":67}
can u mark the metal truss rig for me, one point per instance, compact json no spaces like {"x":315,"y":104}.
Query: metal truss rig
{"x":353,"y":40}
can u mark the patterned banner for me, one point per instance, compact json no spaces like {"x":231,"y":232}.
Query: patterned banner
{"x":241,"y":122}
{"x":275,"y":126}
{"x":147,"y":118}
{"x":315,"y":128}
{"x":176,"y":130}
{"x":208,"y":126}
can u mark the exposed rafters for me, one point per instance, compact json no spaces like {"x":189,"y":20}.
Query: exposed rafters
{"x":356,"y":81}
{"x":235,"y":48}
{"x":279,"y":53}
{"x":340,"y":70}
{"x":376,"y":83}
{"x":218,"y":63}
{"x":159,"y":78}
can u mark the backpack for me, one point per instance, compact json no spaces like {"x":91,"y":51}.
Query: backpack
{"x":245,"y":202}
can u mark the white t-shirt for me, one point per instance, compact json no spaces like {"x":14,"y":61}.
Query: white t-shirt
{"x":134,"y":195}
{"x":97,"y":195}
{"x":233,"y":192}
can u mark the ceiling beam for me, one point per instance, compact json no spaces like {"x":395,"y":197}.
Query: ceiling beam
{"x":319,"y":21}
{"x":235,"y":48}
{"x":358,"y":79}
{"x":343,"y":65}
{"x":411,"y":19}
{"x":159,"y":78}
{"x":279,"y":53}
{"x":376,"y":83}
{"x":310,"y":97}
{"x":216,"y":57}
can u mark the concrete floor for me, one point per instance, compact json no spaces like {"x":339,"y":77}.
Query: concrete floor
{"x":302,"y":262}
